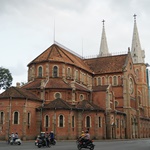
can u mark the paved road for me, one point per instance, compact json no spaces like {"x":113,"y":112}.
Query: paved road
{"x":71,"y":145}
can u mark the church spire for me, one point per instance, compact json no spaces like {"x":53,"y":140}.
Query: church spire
{"x":136,"y":51}
{"x":103,"y":46}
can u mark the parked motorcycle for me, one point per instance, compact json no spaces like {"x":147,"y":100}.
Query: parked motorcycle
{"x":85,"y":144}
{"x":15,"y":142}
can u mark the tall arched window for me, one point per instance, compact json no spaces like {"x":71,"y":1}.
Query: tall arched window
{"x":61,"y":121}
{"x":1,"y":117}
{"x":99,"y":81}
{"x":99,"y":122}
{"x":16,"y":118}
{"x":137,"y":74}
{"x":29,"y":119}
{"x":77,"y":75}
{"x":73,"y":121}
{"x":46,"y":121}
{"x":55,"y":71}
{"x":114,"y":80}
{"x":40,"y":71}
{"x":88,"y":121}
{"x":68,"y":73}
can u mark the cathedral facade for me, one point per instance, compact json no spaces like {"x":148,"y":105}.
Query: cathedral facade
{"x":65,"y":93}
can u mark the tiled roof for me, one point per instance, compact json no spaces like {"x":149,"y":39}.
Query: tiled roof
{"x":53,"y":83}
{"x":58,"y":104}
{"x":62,"y":104}
{"x":87,"y":105}
{"x":57,"y":53}
{"x":100,"y":88}
{"x":33,"y":84}
{"x":81,"y":88}
{"x":16,"y":92}
{"x":56,"y":83}
{"x":109,"y":64}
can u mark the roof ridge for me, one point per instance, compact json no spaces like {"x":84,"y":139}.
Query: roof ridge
{"x":17,"y":89}
{"x":66,"y":103}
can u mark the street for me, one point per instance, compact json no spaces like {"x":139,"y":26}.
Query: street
{"x":71,"y":145}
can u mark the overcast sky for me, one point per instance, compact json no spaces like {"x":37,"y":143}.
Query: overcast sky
{"x":27,"y":28}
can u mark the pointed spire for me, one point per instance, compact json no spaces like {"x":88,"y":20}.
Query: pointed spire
{"x":103,"y":46}
{"x":136,"y":51}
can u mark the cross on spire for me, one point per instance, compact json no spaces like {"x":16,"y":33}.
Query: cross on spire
{"x":134,"y":17}
{"x":103,"y":22}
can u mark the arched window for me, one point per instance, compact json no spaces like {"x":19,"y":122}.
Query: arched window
{"x":77,"y":75}
{"x":68,"y":73}
{"x":55,"y":71}
{"x":1,"y":117}
{"x":40,"y":71}
{"x":139,"y":100}
{"x":116,"y":103}
{"x":29,"y":119}
{"x":99,"y":81}
{"x":16,"y":118}
{"x":73,"y":122}
{"x":61,"y":121}
{"x":46,"y":121}
{"x":114,"y":80}
{"x":131,"y":86}
{"x":137,"y":74}
{"x":88,"y":122}
{"x":99,"y":122}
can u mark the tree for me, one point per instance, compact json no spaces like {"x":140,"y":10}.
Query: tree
{"x":5,"y":78}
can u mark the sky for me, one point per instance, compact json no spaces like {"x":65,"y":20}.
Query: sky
{"x":29,"y":27}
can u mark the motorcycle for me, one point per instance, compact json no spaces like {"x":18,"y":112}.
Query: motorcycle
{"x":85,"y":144}
{"x":15,"y":142}
{"x":41,"y":143}
{"x":52,"y":142}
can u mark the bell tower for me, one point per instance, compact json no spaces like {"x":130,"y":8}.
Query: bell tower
{"x":138,"y":55}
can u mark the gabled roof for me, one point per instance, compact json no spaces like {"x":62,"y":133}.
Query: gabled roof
{"x":87,"y":105}
{"x":16,"y":92}
{"x":58,"y":104}
{"x":57,"y":83}
{"x":109,"y":64}
{"x":57,"y":53}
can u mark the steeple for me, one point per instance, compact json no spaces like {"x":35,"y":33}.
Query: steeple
{"x":137,"y":53}
{"x":103,"y":46}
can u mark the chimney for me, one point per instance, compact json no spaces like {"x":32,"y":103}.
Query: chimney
{"x":18,"y":84}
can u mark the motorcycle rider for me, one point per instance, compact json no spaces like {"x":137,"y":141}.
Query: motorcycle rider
{"x":42,"y":136}
{"x":81,"y":138}
{"x":47,"y":139}
{"x":16,"y":136}
{"x":51,"y":136}
{"x":86,"y":137}
{"x":13,"y":136}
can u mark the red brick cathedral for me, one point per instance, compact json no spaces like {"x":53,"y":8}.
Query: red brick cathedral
{"x":66,"y":93}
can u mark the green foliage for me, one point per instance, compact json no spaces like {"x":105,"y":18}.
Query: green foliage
{"x":5,"y":78}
